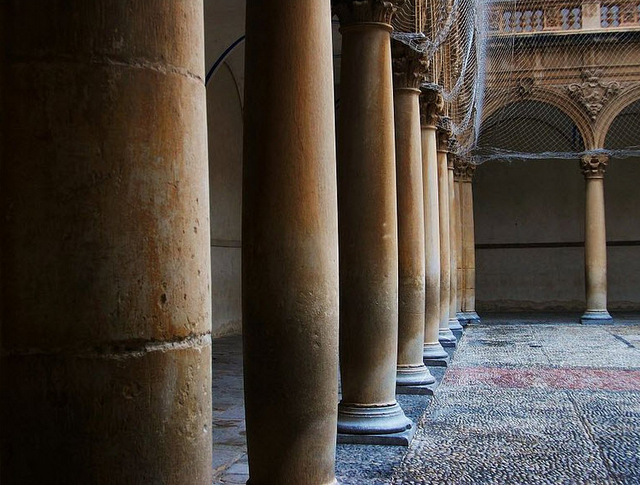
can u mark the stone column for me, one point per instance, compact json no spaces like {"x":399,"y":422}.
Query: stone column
{"x":290,"y":244}
{"x":595,"y":240}
{"x":431,"y":104}
{"x":458,"y":225}
{"x":367,"y":223}
{"x":454,"y":324}
{"x":465,"y":171}
{"x":446,"y":336}
{"x":409,"y":68}
{"x":105,"y":288}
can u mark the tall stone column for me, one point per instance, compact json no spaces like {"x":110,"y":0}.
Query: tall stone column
{"x":105,"y":288}
{"x":290,"y":244}
{"x":454,"y":324}
{"x":446,"y":336}
{"x":367,"y":223}
{"x":431,"y":104}
{"x":458,"y":225}
{"x":465,"y":170}
{"x":409,"y":68}
{"x":595,"y":240}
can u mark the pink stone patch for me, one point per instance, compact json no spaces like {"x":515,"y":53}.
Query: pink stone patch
{"x":547,"y":378}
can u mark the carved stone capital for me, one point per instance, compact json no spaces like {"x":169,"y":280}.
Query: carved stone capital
{"x":431,"y":106}
{"x":594,"y":166}
{"x":592,"y":93}
{"x":365,"y":11}
{"x":463,"y":169}
{"x":409,"y":66}
{"x":444,"y":133}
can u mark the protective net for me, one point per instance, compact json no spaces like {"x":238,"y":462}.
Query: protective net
{"x":535,"y":79}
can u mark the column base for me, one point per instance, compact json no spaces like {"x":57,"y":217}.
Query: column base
{"x":419,"y":390}
{"x":596,"y":317}
{"x":372,"y":420}
{"x":413,"y":375}
{"x":454,"y":324}
{"x":471,"y":318}
{"x":462,"y":319}
{"x":447,"y":338}
{"x":402,"y":438}
{"x":435,"y":355}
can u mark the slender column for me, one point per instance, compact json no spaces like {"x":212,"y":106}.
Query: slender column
{"x":595,"y":240}
{"x":105,"y":288}
{"x":454,"y":324}
{"x":431,"y":104}
{"x":409,"y":68}
{"x":447,"y":338}
{"x":290,"y":270}
{"x":465,"y":171}
{"x":458,"y":224}
{"x":367,"y":223}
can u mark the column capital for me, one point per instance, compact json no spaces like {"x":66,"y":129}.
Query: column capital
{"x":365,"y":11}
{"x":594,"y":166}
{"x":444,"y":133}
{"x":409,"y":66}
{"x":463,"y":169}
{"x":431,"y":106}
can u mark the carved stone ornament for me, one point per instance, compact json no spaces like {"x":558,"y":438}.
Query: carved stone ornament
{"x":363,"y":11}
{"x":594,"y":166}
{"x":592,"y":93}
{"x":444,"y":133}
{"x":431,"y":106}
{"x":463,"y":169}
{"x":525,"y":87}
{"x":409,"y":66}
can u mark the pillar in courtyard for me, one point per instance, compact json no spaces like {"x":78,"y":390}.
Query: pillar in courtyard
{"x":290,"y":245}
{"x":409,"y":69}
{"x":464,"y":173}
{"x":454,"y":323}
{"x":105,"y":288}
{"x":431,"y":104}
{"x":595,"y":240}
{"x":458,"y":226}
{"x":367,"y":223}
{"x":447,"y":338}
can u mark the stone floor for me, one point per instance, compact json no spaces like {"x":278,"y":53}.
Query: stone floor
{"x":526,"y":399}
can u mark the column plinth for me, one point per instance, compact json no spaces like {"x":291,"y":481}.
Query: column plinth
{"x":595,"y":241}
{"x":105,"y":252}
{"x":409,"y":68}
{"x":446,"y":336}
{"x":431,"y":104}
{"x":367,"y":223}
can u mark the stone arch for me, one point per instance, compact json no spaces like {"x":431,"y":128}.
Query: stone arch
{"x":555,"y":99}
{"x":611,"y":111}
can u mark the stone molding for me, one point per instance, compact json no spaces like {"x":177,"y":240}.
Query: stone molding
{"x":409,"y":66}
{"x":594,"y":166}
{"x":431,"y":106}
{"x":444,"y":133}
{"x":365,"y":11}
{"x":463,"y":169}
{"x":592,"y":93}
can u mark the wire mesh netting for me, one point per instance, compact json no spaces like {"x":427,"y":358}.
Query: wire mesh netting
{"x":532,"y":79}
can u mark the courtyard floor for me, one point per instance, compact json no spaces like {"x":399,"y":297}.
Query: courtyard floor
{"x":526,"y":399}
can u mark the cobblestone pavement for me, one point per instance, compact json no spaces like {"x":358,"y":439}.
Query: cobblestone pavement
{"x":521,"y":403}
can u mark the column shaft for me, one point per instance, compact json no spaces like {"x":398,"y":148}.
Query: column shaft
{"x":289,"y":270}
{"x":411,"y":256}
{"x":367,"y":224}
{"x":460,"y":273}
{"x":468,"y":252}
{"x":454,"y":324}
{"x":105,"y":289}
{"x":595,"y":241}
{"x":446,"y":336}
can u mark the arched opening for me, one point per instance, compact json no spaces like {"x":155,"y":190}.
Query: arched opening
{"x":529,"y":211}
{"x":622,"y":205}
